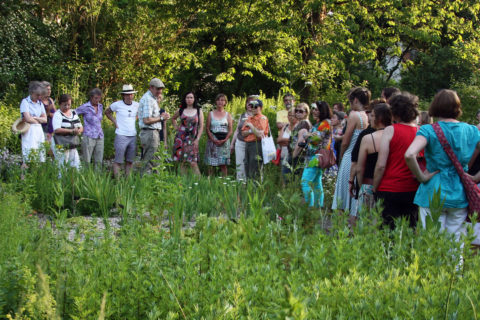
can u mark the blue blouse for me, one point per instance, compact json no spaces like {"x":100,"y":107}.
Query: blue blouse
{"x":463,"y":138}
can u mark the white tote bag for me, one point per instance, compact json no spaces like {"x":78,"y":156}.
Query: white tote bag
{"x":269,"y":151}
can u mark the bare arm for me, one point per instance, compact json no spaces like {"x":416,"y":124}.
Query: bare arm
{"x":69,"y":132}
{"x":200,"y":128}
{"x":257,"y":132}
{"x":347,"y":137}
{"x":34,"y":120}
{"x":281,"y":140}
{"x":418,"y":144}
{"x":209,"y":133}
{"x":174,"y":120}
{"x":382,"y":156}
{"x":165,"y":135}
{"x":301,"y":139}
{"x":362,"y":159}
{"x":109,"y":115}
{"x":230,"y":127}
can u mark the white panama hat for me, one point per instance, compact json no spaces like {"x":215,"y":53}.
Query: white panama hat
{"x":128,"y":89}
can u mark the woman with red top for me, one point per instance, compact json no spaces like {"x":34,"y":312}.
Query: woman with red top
{"x":255,"y":128}
{"x":393,"y":182}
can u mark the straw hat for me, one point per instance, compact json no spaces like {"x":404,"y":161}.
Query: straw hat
{"x":128,"y":89}
{"x":20,"y":126}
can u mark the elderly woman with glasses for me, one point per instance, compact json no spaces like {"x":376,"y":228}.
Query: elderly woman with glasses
{"x":254,"y":130}
{"x":33,"y":112}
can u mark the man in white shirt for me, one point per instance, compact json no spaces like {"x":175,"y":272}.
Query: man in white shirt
{"x":125,"y":133}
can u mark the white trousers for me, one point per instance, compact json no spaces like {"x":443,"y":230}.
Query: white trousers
{"x":240,"y":159}
{"x":451,"y":219}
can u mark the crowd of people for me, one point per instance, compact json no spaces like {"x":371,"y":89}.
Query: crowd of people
{"x":385,"y":148}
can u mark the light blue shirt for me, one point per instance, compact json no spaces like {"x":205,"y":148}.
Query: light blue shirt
{"x":36,"y":109}
{"x":463,"y":138}
{"x":148,"y":108}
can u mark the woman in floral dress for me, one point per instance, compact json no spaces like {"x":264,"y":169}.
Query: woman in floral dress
{"x":189,"y":129}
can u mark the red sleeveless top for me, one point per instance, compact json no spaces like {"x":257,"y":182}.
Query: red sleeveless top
{"x":397,"y":176}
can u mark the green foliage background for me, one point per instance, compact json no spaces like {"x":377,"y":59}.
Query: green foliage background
{"x":238,"y":47}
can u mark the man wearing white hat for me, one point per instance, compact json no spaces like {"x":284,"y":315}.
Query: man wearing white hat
{"x":150,"y":122}
{"x":125,"y":133}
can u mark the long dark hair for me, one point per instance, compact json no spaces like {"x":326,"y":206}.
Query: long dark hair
{"x":183,"y":104}
{"x":324,"y":110}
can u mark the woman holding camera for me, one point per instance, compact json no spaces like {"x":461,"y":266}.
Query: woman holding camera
{"x":219,"y":130}
{"x":297,"y":141}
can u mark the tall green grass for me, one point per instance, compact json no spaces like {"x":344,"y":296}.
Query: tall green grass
{"x":253,"y":267}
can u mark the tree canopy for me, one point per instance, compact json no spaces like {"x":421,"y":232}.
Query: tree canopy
{"x":238,"y":46}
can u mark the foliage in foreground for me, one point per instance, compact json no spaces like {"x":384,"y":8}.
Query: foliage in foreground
{"x":253,"y":267}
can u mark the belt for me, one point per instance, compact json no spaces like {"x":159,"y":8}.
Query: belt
{"x":151,"y":129}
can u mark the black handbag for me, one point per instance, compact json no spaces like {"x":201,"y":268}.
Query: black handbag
{"x":220,"y":135}
{"x":67,"y":142}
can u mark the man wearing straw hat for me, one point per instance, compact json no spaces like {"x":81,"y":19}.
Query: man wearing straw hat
{"x":125,"y":143}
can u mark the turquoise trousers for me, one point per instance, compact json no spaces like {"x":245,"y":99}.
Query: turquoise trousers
{"x":312,"y":186}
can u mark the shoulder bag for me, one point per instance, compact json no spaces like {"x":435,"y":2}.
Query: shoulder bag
{"x":326,"y":157}
{"x":471,"y":189}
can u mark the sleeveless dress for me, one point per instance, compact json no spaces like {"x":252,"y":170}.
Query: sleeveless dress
{"x":183,"y":146}
{"x":342,"y":199}
{"x":218,"y":155}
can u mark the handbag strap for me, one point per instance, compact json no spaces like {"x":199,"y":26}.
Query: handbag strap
{"x":448,"y":149}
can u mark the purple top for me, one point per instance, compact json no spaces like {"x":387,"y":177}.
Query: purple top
{"x":92,"y":121}
{"x":47,"y":127}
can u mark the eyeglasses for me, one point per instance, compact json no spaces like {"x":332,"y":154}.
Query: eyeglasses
{"x":299,"y":111}
{"x":254,"y":106}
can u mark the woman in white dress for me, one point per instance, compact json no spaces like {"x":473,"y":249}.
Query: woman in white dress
{"x":33,"y":112}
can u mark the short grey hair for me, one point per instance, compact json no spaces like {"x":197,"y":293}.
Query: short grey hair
{"x":95,"y":92}
{"x":35,"y":87}
{"x":46,"y":84}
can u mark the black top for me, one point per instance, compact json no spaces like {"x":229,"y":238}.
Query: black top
{"x":475,"y":166}
{"x":356,"y":147}
{"x":163,"y":126}
{"x":371,"y":161}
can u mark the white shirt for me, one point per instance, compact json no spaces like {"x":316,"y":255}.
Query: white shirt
{"x":57,"y":120}
{"x":36,"y":109}
{"x":126,"y":116}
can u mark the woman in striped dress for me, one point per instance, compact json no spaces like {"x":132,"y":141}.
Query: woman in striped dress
{"x":358,"y":98}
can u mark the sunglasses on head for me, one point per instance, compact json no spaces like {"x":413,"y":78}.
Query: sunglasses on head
{"x":299,"y":111}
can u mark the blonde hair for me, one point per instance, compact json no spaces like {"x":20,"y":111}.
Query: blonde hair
{"x":304,"y":106}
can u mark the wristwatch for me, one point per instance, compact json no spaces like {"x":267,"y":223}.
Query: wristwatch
{"x":161,"y":118}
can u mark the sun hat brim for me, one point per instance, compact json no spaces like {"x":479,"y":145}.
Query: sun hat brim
{"x":20,"y":126}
